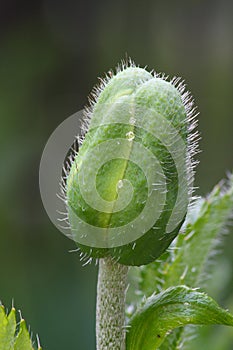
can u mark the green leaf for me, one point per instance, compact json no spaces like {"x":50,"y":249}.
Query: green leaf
{"x":8,"y":338}
{"x":172,"y":308}
{"x":7,"y":329}
{"x":187,"y":260}
{"x":201,"y":238}
{"x":197,"y":245}
{"x":11,"y":327}
{"x":23,"y":341}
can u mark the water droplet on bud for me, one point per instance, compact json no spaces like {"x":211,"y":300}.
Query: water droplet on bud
{"x":120,"y":184}
{"x":130,"y":135}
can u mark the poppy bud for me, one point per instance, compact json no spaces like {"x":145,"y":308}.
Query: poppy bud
{"x":129,"y":185}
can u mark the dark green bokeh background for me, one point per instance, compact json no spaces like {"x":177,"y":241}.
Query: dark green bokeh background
{"x":50,"y":55}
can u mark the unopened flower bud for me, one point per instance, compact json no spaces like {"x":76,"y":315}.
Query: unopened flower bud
{"x":129,"y":185}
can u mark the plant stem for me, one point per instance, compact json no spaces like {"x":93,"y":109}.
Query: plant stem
{"x":110,"y":306}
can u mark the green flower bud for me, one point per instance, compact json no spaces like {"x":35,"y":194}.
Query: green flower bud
{"x":129,"y":185}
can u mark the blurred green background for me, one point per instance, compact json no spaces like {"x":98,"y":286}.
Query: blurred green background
{"x":51,"y":53}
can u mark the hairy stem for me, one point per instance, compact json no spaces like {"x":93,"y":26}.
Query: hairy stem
{"x":110,"y":306}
